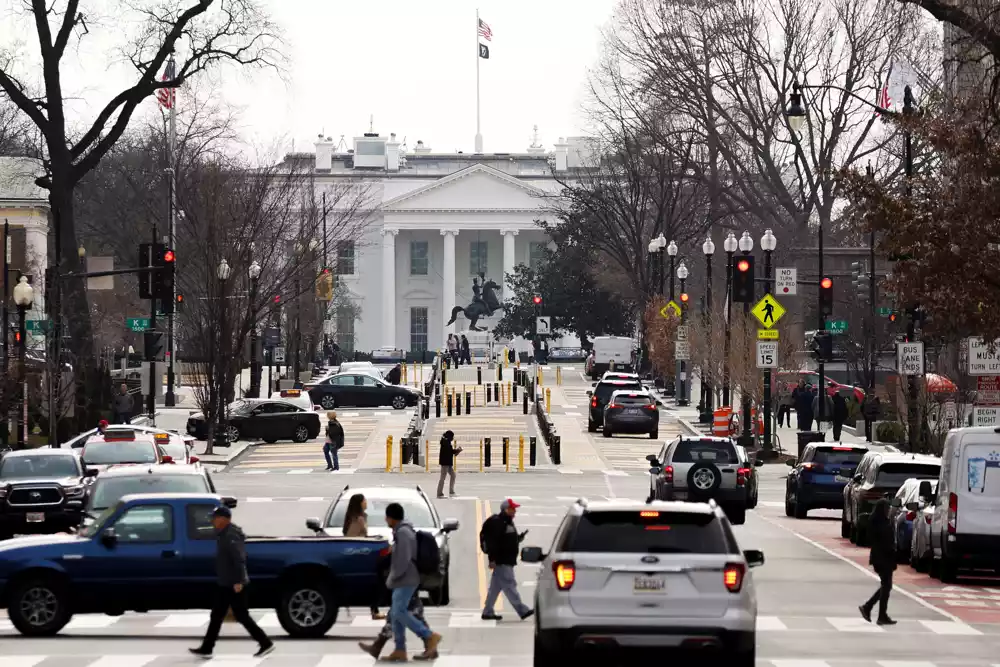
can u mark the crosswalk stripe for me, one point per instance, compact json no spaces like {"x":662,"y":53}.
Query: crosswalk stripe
{"x":770,"y":623}
{"x":950,"y":628}
{"x":123,"y":660}
{"x":905,"y":663}
{"x":852,"y":624}
{"x":91,"y":622}
{"x":800,"y":663}
{"x":21,"y":660}
{"x":186,"y":620}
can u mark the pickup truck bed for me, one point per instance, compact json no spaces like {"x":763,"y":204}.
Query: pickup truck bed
{"x":158,"y":552}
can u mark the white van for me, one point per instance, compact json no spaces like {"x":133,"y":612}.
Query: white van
{"x":608,"y":350}
{"x":965,"y":530}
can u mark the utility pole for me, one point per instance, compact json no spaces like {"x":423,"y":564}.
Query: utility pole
{"x":150,"y":349}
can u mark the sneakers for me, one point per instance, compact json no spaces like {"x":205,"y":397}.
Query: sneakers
{"x":202,"y":653}
{"x":885,"y":621}
{"x":528,"y":614}
{"x":491,"y":617}
{"x":264,"y":651}
{"x":865,"y":613}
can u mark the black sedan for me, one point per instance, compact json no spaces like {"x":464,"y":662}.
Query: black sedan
{"x":417,"y":509}
{"x":359,"y":390}
{"x":262,"y":419}
{"x":41,"y":491}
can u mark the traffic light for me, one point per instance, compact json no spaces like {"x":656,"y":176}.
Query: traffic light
{"x":17,"y":339}
{"x":179,"y":302}
{"x":684,"y":298}
{"x":826,"y":297}
{"x":822,"y":346}
{"x":145,"y":277}
{"x":162,"y":286}
{"x":155,"y":349}
{"x":324,"y":285}
{"x":537,"y":299}
{"x":743,"y":291}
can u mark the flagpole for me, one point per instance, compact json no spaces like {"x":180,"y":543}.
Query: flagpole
{"x":479,"y":136}
{"x":170,"y":398}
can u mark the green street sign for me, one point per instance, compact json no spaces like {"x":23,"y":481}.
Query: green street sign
{"x":137,"y":323}
{"x":38,"y":326}
{"x":836,"y":326}
{"x":884,"y":311}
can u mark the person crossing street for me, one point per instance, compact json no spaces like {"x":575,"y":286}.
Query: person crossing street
{"x":501,"y":542}
{"x":446,"y":459}
{"x":883,"y":560}
{"x":334,"y":442}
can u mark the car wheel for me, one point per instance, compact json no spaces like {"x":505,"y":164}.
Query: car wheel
{"x":301,"y":433}
{"x":845,"y":528}
{"x":543,"y":656}
{"x":606,"y":432}
{"x":653,"y":435}
{"x":442,"y":596}
{"x":328,"y":402}
{"x":591,"y":427}
{"x":949,"y":571}
{"x":801,"y":510}
{"x":789,"y":507}
{"x":233,"y":432}
{"x":308,"y":609}
{"x":703,"y":479}
{"x":737,"y":515}
{"x":270,"y":441}
{"x":39,"y":607}
{"x":398,"y":402}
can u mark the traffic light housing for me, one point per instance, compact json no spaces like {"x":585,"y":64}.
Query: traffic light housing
{"x":684,"y":298}
{"x":743,"y":277}
{"x":537,"y":300}
{"x":154,"y":343}
{"x":826,"y":297}
{"x":179,"y":303}
{"x":18,"y":342}
{"x":822,"y":346}
{"x":145,"y":277}
{"x":162,"y":286}
{"x":324,"y":285}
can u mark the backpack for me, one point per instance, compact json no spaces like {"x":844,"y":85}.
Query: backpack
{"x":484,"y":534}
{"x":428,"y":558}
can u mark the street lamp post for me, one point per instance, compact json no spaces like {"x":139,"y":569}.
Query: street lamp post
{"x":746,"y":247}
{"x":707,"y":400}
{"x":682,"y":395}
{"x":672,"y":251}
{"x":255,"y":370}
{"x":222,"y":272}
{"x":729,"y":245}
{"x":912,"y":334}
{"x":24,"y":296}
{"x":767,"y":243}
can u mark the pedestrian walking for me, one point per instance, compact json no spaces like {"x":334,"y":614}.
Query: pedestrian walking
{"x":883,"y":560}
{"x":121,"y":405}
{"x":334,"y":441}
{"x":403,"y":581}
{"x":839,"y":415}
{"x":500,"y":541}
{"x":803,"y":407}
{"x":356,"y":525}
{"x":453,"y":350}
{"x":446,"y":460}
{"x":785,"y":404}
{"x":395,"y":374}
{"x":374,"y":649}
{"x":466,"y":353}
{"x":232,"y":580}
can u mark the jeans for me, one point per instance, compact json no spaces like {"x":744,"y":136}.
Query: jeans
{"x":226,"y":599}
{"x":330,"y":452}
{"x":784,"y":414}
{"x":447,"y":471}
{"x":503,"y":580}
{"x":882,"y":594}
{"x":403,"y":618}
{"x":415,"y":606}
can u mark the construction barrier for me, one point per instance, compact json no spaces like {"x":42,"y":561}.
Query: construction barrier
{"x":722,"y":422}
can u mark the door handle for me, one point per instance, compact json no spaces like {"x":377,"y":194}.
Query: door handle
{"x":169,"y":553}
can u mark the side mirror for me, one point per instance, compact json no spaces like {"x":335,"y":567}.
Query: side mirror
{"x":532,"y":555}
{"x":924,"y":490}
{"x":449,"y":526}
{"x":590,"y":393}
{"x":655,"y":470}
{"x":913,"y":507}
{"x":229,"y":501}
{"x":652,"y":459}
{"x":895,"y":502}
{"x":754,"y":557}
{"x":90,"y":472}
{"x":791,"y":463}
{"x":109,"y":538}
{"x":314,"y":525}
{"x":758,"y":463}
{"x":194,"y":459}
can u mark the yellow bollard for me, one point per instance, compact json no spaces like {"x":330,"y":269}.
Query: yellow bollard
{"x":400,"y":455}
{"x":559,"y":375}
{"x":388,"y":454}
{"x":508,"y":393}
{"x":539,"y":376}
{"x":403,"y":379}
{"x":421,"y":375}
{"x":508,"y":453}
{"x":506,"y":358}
{"x":480,"y":455}
{"x":427,"y":455}
{"x":520,"y":454}
{"x":548,"y":401}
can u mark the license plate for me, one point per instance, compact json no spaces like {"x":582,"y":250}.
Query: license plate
{"x":35,"y":517}
{"x":841,"y":478}
{"x":632,"y":411}
{"x":648,"y":585}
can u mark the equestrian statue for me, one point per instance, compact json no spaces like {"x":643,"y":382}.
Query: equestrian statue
{"x":484,"y":303}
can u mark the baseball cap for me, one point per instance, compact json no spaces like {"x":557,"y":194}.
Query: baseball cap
{"x":103,"y":422}
{"x":223,"y":511}
{"x":509,"y":504}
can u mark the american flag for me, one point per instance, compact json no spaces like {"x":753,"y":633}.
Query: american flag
{"x":484,"y":31}
{"x":167,"y":96}
{"x":883,"y":100}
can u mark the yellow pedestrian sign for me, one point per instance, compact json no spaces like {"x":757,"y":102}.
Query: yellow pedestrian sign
{"x":670,"y":309}
{"x":768,"y":311}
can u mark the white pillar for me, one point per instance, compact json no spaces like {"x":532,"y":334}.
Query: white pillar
{"x":36,"y":255}
{"x":509,"y":256}
{"x":448,"y":271}
{"x":389,"y":286}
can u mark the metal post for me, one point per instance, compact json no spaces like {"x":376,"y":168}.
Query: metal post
{"x":873,"y":315}
{"x":169,"y":397}
{"x":729,"y":318}
{"x":671,"y":277}
{"x":747,"y":435}
{"x":913,"y":418}
{"x":682,"y":399}
{"x":4,"y":312}
{"x":224,"y":359}
{"x":298,"y":330}
{"x":255,"y":372}
{"x":150,"y":357}
{"x":707,"y":399}
{"x":767,"y":371}
{"x":22,"y":422}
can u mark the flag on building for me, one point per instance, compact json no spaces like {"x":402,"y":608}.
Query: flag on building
{"x":484,"y":52}
{"x":883,"y":99}
{"x":167,"y":96}
{"x":484,"y":31}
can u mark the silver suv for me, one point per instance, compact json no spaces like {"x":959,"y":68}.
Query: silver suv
{"x":701,"y":469}
{"x":641,"y":576}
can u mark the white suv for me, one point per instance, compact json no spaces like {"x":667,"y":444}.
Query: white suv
{"x":641,"y":576}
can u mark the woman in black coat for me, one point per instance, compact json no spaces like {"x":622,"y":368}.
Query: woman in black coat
{"x":883,"y":561}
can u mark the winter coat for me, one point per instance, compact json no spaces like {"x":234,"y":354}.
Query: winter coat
{"x":502,"y":541}
{"x":883,"y":547}
{"x":335,"y":433}
{"x":447,"y":455}
{"x":403,"y":568}
{"x":827,"y":406}
{"x":231,"y":556}
{"x":358,"y":527}
{"x":839,"y":409}
{"x":122,"y":403}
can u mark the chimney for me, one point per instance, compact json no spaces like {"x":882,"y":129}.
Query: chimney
{"x":421,"y":149}
{"x":562,"y":154}
{"x":392,"y":153}
{"x":324,"y":153}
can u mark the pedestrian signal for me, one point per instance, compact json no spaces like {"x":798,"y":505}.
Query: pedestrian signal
{"x":743,"y":277}
{"x":537,"y":300}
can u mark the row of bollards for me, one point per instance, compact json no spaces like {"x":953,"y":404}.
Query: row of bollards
{"x":409,"y":452}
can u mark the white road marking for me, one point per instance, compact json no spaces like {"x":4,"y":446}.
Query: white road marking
{"x":304,"y":471}
{"x":950,"y":628}
{"x":91,"y":622}
{"x":123,"y":660}
{"x":852,"y":624}
{"x":259,"y":500}
{"x":769,"y":624}
{"x":21,"y":660}
{"x":188,"y":620}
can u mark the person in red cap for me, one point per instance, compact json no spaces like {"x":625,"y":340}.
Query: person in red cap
{"x":102,"y":426}
{"x":501,"y":543}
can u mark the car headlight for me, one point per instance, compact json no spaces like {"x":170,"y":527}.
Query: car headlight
{"x":74,"y":491}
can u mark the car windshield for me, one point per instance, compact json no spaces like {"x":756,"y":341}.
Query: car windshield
{"x":25,"y":467}
{"x":174,"y":449}
{"x":415,"y":510}
{"x":109,"y":490}
{"x":603,"y":390}
{"x":633,"y":399}
{"x":649,"y":532}
{"x":129,"y":451}
{"x":716,"y":451}
{"x":897,"y":473}
{"x":839,"y":456}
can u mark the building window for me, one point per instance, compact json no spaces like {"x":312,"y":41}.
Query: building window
{"x":345,"y":258}
{"x":418,"y":258}
{"x":345,"y":331}
{"x":536,"y":253}
{"x":418,"y":329}
{"x":478,"y":254}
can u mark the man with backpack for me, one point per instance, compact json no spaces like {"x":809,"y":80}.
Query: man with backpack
{"x":413,"y":554}
{"x":334,"y":442}
{"x":500,"y":541}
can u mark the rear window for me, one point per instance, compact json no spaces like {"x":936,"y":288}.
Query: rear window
{"x":109,"y":490}
{"x":129,"y":451}
{"x":604,"y":390}
{"x":898,"y":473}
{"x":694,"y":451}
{"x":663,"y":532}
{"x":833,"y":456}
{"x":637,"y":399}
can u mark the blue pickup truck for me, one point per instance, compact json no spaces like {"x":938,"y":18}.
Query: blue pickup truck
{"x":157,"y":551}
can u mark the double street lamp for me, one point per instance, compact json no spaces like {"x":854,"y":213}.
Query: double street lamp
{"x":707,"y":400}
{"x":768,"y":243}
{"x":24,"y":297}
{"x":222,"y":272}
{"x":729,"y":245}
{"x":682,"y":386}
{"x":256,"y":369}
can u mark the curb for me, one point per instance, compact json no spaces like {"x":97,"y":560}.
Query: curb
{"x":226,"y":458}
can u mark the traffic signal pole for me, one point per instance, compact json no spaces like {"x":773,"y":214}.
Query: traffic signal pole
{"x":150,"y":352}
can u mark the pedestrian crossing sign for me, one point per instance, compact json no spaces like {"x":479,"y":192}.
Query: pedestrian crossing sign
{"x":768,"y":311}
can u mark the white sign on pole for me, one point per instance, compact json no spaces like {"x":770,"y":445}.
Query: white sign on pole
{"x":328,"y":327}
{"x":785,"y":280}
{"x":279,"y":355}
{"x":682,"y":350}
{"x":543,"y":325}
{"x":682,"y":332}
{"x":911,"y":358}
{"x":986,"y":416}
{"x":981,"y":360}
{"x":767,"y":354}
{"x":950,"y":413}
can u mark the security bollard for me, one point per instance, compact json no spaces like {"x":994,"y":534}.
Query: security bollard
{"x":404,"y":452}
{"x":506,"y":453}
{"x":532,"y":450}
{"x":559,"y":375}
{"x":388,"y":453}
{"x":548,"y":401}
{"x":513,"y":388}
{"x":525,"y":396}
{"x":403,"y":378}
{"x":499,"y":372}
{"x":489,"y":395}
{"x":448,"y":402}
{"x":480,"y":455}
{"x":468,"y":402}
{"x":444,"y":375}
{"x":437,"y":406}
{"x":486,"y":449}
{"x":479,"y":374}
{"x":508,"y":393}
{"x":556,"y":449}
{"x":458,"y":403}
{"x":520,"y":453}
{"x":496,"y":391}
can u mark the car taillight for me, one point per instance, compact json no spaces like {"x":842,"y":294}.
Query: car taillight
{"x":808,"y":466}
{"x":593,"y":402}
{"x":668,"y":474}
{"x":741,"y":476}
{"x":613,"y":405}
{"x":910,"y":516}
{"x":651,"y":406}
{"x":565,"y":571}
{"x":732,"y":576}
{"x":952,"y":513}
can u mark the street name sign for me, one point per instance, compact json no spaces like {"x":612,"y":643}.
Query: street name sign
{"x":670,"y":310}
{"x":836,"y":326}
{"x":38,"y":326}
{"x":988,"y":390}
{"x":767,"y":354}
{"x":884,"y":311}
{"x":682,"y":332}
{"x":768,"y":311}
{"x":910,"y":357}
{"x":985,"y":416}
{"x":543,"y":325}
{"x":785,"y":281}
{"x":682,"y":350}
{"x":137,"y":323}
{"x":767,"y":334}
{"x":981,"y":360}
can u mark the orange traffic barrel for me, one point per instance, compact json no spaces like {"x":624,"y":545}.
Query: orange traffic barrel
{"x":721,"y":422}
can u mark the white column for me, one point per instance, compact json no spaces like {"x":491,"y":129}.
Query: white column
{"x":389,"y":286}
{"x":448,"y":274}
{"x":36,"y":255}
{"x":509,"y":256}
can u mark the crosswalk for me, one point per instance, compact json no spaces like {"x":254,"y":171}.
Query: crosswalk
{"x":495,"y":423}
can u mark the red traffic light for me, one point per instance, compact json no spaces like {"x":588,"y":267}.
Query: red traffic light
{"x":168,"y":256}
{"x":326,"y":270}
{"x":277,"y":298}
{"x":826,"y":283}
{"x":892,"y":317}
{"x":536,"y":299}
{"x":743,"y":266}
{"x":180,"y":298}
{"x":17,"y":337}
{"x":684,"y":297}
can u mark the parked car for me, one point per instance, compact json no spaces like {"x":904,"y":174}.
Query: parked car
{"x":600,"y":396}
{"x":631,"y":412}
{"x":921,"y":554}
{"x":901,"y":519}
{"x":567,"y":354}
{"x":817,"y":480}
{"x":41,"y":491}
{"x":120,"y":448}
{"x":879,"y":475}
{"x":78,"y":441}
{"x":791,"y":378}
{"x":360,"y":367}
{"x":357,"y":389}
{"x":262,"y":419}
{"x":418,"y":509}
{"x":120,"y":563}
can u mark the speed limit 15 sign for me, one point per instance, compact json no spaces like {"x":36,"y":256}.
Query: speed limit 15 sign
{"x":767,"y":354}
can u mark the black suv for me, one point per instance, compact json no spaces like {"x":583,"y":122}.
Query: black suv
{"x":41,"y":491}
{"x":600,"y":396}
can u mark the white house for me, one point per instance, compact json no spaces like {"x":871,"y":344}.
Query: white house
{"x":441,"y":220}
